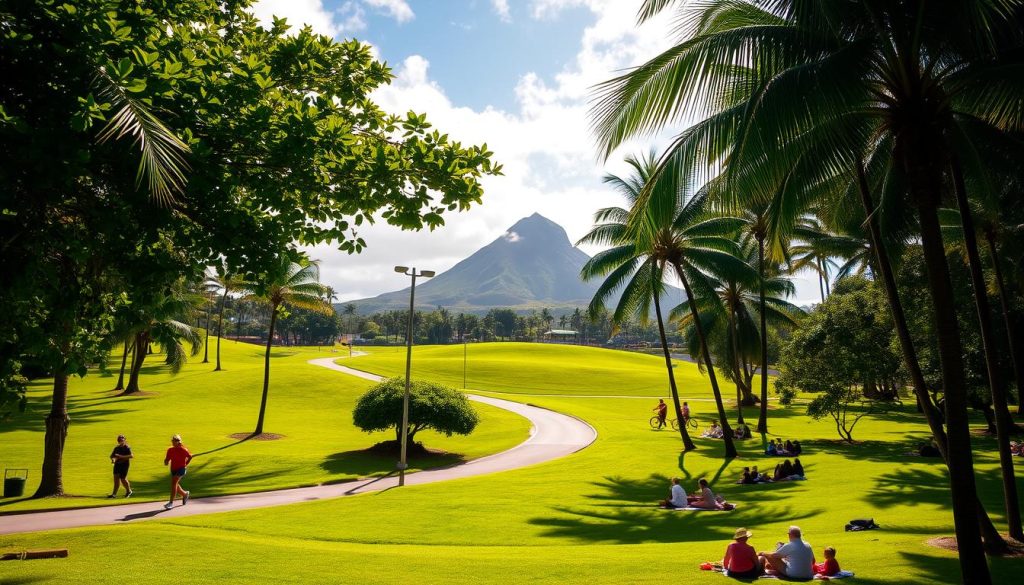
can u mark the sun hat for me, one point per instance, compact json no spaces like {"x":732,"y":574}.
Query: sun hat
{"x":742,"y":533}
{"x":120,"y":437}
{"x":176,"y":438}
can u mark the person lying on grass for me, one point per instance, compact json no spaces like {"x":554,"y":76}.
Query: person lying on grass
{"x":707,"y":499}
{"x":794,"y":559}
{"x":676,"y":496}
{"x":740,"y":559}
{"x":747,"y":477}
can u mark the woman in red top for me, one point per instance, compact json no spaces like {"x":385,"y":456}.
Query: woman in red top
{"x":740,"y":558}
{"x":179,"y":458}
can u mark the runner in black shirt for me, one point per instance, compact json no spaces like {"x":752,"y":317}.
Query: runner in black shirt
{"x":121,"y":458}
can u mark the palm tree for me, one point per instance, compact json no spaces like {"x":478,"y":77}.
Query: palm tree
{"x":662,"y":233}
{"x":789,"y":78}
{"x":165,"y":321}
{"x":741,"y":302}
{"x":296,"y":284}
{"x":226,"y":280}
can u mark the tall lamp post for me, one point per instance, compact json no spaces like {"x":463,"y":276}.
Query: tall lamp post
{"x":402,"y":464}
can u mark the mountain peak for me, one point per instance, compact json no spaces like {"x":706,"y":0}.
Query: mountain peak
{"x":538,"y":228}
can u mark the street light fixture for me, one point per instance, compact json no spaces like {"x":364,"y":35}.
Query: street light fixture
{"x":402,"y":464}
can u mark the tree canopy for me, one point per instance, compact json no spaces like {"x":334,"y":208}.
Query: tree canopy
{"x":431,"y":406}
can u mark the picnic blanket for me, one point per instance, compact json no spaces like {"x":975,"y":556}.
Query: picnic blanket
{"x":692,"y":509}
{"x":818,"y":577}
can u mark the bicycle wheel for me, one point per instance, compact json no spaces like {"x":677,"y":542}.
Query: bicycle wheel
{"x":654,"y":422}
{"x":692,"y":423}
{"x":675,"y":424}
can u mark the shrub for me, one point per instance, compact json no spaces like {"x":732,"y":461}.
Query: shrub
{"x":431,"y":406}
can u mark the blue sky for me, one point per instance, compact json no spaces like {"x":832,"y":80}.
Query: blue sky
{"x":514,"y":74}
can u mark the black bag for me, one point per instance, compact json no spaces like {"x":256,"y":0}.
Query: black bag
{"x":861,"y":524}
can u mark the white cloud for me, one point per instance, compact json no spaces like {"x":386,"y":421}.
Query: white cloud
{"x":502,"y":10}
{"x":396,"y":9}
{"x":550,"y":9}
{"x":298,"y":13}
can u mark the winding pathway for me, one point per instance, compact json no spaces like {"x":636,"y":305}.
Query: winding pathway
{"x":552,"y":436}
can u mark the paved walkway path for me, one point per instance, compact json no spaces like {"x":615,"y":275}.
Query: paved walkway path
{"x":552,"y":436}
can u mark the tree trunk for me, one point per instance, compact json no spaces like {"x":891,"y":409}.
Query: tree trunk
{"x":997,"y":384}
{"x":736,"y":364}
{"x":141,"y":351}
{"x":993,"y":540}
{"x":266,"y":373}
{"x":1004,"y":304}
{"x":220,"y":325}
{"x":762,"y":420}
{"x":683,"y":433}
{"x":730,"y":446}
{"x":925,"y":190}
{"x":124,"y":360}
{"x":51,"y":481}
{"x":206,"y":342}
{"x":821,"y":279}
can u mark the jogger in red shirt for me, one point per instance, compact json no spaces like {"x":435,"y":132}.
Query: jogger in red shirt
{"x":179,"y":458}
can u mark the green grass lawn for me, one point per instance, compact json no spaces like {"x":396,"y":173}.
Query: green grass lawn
{"x":311,"y":406}
{"x":588,"y":518}
{"x":543,"y":368}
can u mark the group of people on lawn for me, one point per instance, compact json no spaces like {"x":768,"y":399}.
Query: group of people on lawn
{"x":777,"y":448}
{"x":703,"y":499}
{"x":177,"y":457}
{"x":784,"y":471}
{"x":793,"y":559}
{"x":714,"y":431}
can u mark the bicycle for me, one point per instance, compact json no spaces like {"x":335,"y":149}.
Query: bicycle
{"x":673,"y":423}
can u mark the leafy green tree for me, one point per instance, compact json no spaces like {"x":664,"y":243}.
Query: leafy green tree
{"x":292,"y":284}
{"x":431,"y":406}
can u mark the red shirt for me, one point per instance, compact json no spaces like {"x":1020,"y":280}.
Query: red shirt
{"x":740,"y":557}
{"x":830,"y":567}
{"x":178,"y":456}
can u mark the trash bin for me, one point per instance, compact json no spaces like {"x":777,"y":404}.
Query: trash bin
{"x":14,"y":482}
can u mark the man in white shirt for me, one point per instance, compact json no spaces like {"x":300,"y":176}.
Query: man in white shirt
{"x":795,"y":559}
{"x":677,"y":496}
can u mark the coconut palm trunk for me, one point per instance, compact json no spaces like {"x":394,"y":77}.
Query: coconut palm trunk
{"x":141,"y":351}
{"x":266,"y":372}
{"x":733,"y":334}
{"x":683,"y":433}
{"x":124,"y":361}
{"x":997,"y":384}
{"x":992,"y":539}
{"x":51,"y":482}
{"x":925,"y":192}
{"x":220,"y":325}
{"x":206,"y":341}
{"x":762,"y":420}
{"x":1011,"y":335}
{"x":730,"y":446}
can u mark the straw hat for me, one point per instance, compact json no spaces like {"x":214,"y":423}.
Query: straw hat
{"x":742,"y":533}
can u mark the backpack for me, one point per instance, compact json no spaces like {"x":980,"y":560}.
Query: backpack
{"x":861,"y":524}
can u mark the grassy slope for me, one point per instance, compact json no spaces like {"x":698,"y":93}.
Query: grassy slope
{"x":310,"y":405}
{"x":540,"y":368}
{"x":586,"y":518}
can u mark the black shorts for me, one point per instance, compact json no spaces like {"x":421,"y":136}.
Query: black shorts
{"x":121,"y":470}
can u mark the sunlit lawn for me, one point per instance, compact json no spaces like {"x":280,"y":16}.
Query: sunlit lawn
{"x":588,"y":518}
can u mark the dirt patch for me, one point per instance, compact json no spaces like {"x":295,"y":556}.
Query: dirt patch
{"x":259,"y":437}
{"x":1016,"y":549}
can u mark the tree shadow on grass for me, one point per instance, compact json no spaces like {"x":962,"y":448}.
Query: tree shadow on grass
{"x":365,"y":463}
{"x":626,"y":512}
{"x":204,"y":480}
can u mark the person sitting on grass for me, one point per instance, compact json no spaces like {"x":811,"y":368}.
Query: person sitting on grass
{"x":746,"y":478}
{"x":795,"y":559}
{"x":770,"y":450}
{"x":789,"y":447}
{"x":830,"y":567}
{"x":798,"y":468}
{"x":780,"y":449}
{"x":797,"y":449}
{"x":758,"y":476}
{"x":740,"y":560}
{"x":676,"y":496}
{"x":713,"y":432}
{"x":707,"y":499}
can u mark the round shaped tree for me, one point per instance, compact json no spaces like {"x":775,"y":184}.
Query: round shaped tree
{"x":431,"y":406}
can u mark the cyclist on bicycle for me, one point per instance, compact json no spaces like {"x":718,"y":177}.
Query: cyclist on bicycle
{"x":662,"y":410}
{"x":685,"y":414}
